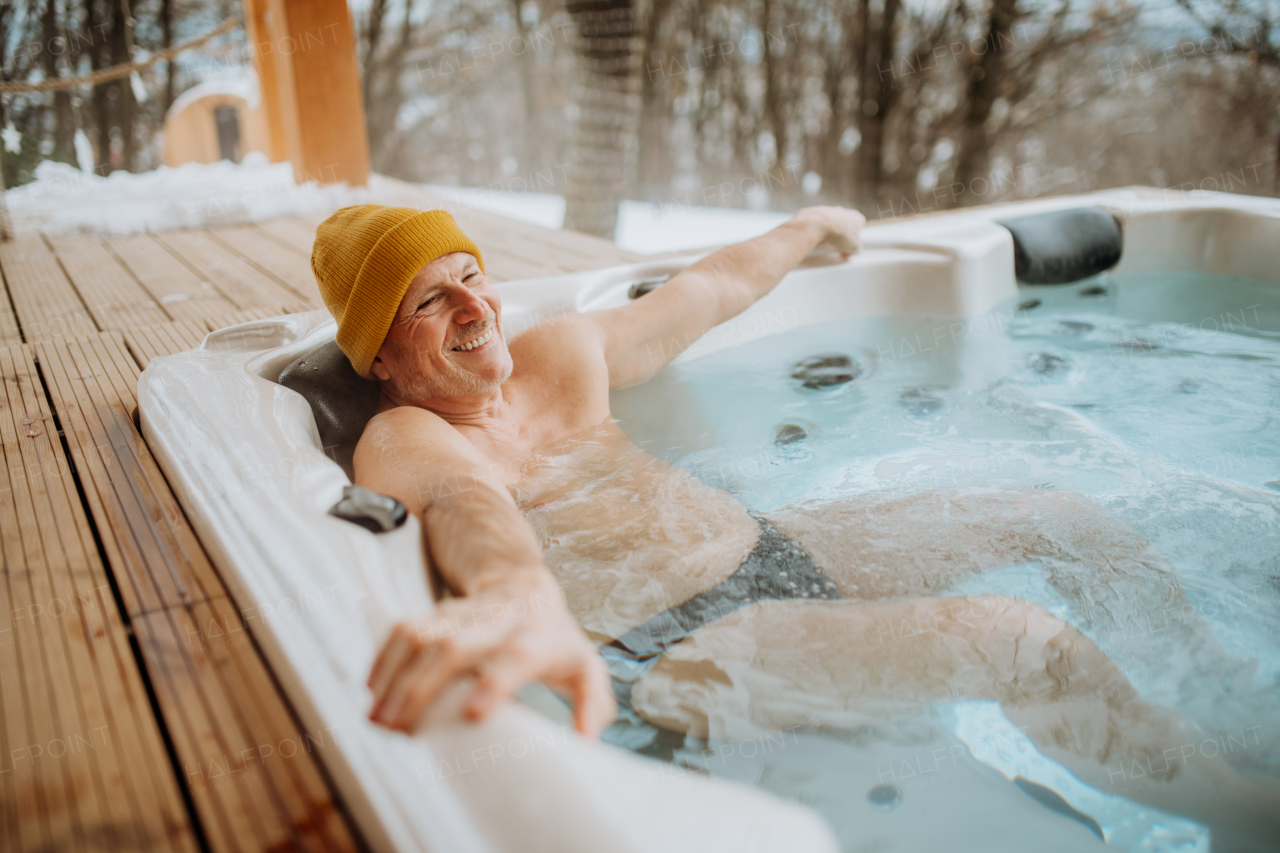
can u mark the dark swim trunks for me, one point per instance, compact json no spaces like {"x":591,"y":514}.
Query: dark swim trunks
{"x":776,"y":569}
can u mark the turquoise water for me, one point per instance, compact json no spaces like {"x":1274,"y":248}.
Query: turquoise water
{"x":1063,"y":390}
{"x":1156,"y":395}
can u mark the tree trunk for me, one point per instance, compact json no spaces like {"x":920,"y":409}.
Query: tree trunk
{"x":877,"y":95}
{"x":986,"y":80}
{"x":772,"y":85}
{"x":166,"y":41}
{"x":838,"y":66}
{"x":95,"y":24}
{"x":373,"y":39}
{"x":125,"y":104}
{"x":603,"y":155}
{"x":63,"y":124}
{"x":393,"y":95}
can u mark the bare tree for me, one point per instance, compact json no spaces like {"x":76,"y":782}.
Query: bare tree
{"x":877,"y":52}
{"x":383,"y":65}
{"x":1250,"y":33}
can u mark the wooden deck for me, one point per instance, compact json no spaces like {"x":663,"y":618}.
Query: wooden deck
{"x":136,"y":711}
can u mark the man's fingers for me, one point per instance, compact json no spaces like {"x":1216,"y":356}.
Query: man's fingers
{"x":588,"y":685}
{"x":410,"y":650}
{"x":584,"y":678}
{"x":511,"y":667}
{"x":421,"y":682}
{"x":404,"y":641}
{"x":594,"y":706}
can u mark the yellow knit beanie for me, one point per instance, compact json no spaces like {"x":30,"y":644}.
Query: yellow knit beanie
{"x":364,"y":258}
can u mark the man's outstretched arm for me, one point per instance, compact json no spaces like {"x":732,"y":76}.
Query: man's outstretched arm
{"x":510,"y":624}
{"x":639,"y":339}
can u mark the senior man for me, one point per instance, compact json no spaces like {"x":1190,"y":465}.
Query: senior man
{"x":554,"y":530}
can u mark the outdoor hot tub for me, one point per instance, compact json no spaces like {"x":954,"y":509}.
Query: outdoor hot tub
{"x":1151,"y":388}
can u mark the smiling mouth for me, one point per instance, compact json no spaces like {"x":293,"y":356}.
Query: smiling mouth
{"x":476,"y":343}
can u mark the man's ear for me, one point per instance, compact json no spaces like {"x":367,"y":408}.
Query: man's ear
{"x":379,"y":369}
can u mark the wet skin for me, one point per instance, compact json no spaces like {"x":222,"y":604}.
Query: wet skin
{"x":546,"y":521}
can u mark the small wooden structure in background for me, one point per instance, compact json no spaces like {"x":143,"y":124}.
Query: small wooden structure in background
{"x":215,"y":121}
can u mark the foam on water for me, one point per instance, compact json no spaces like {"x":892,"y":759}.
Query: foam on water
{"x":1158,"y":398}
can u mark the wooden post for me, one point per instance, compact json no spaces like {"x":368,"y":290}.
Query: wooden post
{"x":304,"y":52}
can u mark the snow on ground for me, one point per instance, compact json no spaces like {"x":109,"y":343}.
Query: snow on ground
{"x":63,"y":199}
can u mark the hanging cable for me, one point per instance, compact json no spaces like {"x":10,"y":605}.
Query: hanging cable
{"x":115,"y":72}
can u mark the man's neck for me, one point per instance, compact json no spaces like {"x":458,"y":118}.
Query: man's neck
{"x":482,"y":410}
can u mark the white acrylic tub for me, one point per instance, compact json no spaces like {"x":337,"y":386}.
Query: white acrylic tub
{"x":243,"y":455}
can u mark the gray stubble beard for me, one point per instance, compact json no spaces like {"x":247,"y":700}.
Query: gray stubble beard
{"x":430,"y":387}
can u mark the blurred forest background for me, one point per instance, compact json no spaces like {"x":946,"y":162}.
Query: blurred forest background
{"x":893,"y":106}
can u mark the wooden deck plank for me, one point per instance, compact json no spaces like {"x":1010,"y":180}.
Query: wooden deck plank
{"x":179,"y":290}
{"x":201,"y":692}
{"x":178,"y":337}
{"x":290,"y":231}
{"x":42,"y":660}
{"x":114,"y":297}
{"x":106,"y":456}
{"x":284,"y":264}
{"x":24,"y":691}
{"x":229,"y":752}
{"x":121,"y":790}
{"x":237,"y":317}
{"x":298,"y":791}
{"x":147,"y":342}
{"x":176,"y":663}
{"x":185,"y":334}
{"x":59,"y":560}
{"x":240,"y":282}
{"x":10,"y":330}
{"x":46,"y":303}
{"x":13,"y":709}
{"x":143,"y":345}
{"x":113,"y":390}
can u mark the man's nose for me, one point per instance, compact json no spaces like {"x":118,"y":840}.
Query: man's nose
{"x":470,"y":307}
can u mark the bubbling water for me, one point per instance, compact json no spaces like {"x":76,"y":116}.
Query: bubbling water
{"x":1154,"y":396}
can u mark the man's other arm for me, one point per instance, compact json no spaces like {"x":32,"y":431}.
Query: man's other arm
{"x":640,"y":338}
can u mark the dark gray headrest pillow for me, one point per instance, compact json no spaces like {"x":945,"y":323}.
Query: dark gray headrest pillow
{"x":342,"y":401}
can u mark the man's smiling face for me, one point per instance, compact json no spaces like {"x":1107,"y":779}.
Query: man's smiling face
{"x":446,"y":340}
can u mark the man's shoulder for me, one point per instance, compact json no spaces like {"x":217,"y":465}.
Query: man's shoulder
{"x":566,"y":342}
{"x":561,"y":328}
{"x":401,"y":425}
{"x":409,"y":442}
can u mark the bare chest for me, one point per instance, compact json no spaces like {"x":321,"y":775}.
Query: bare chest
{"x":547,"y":415}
